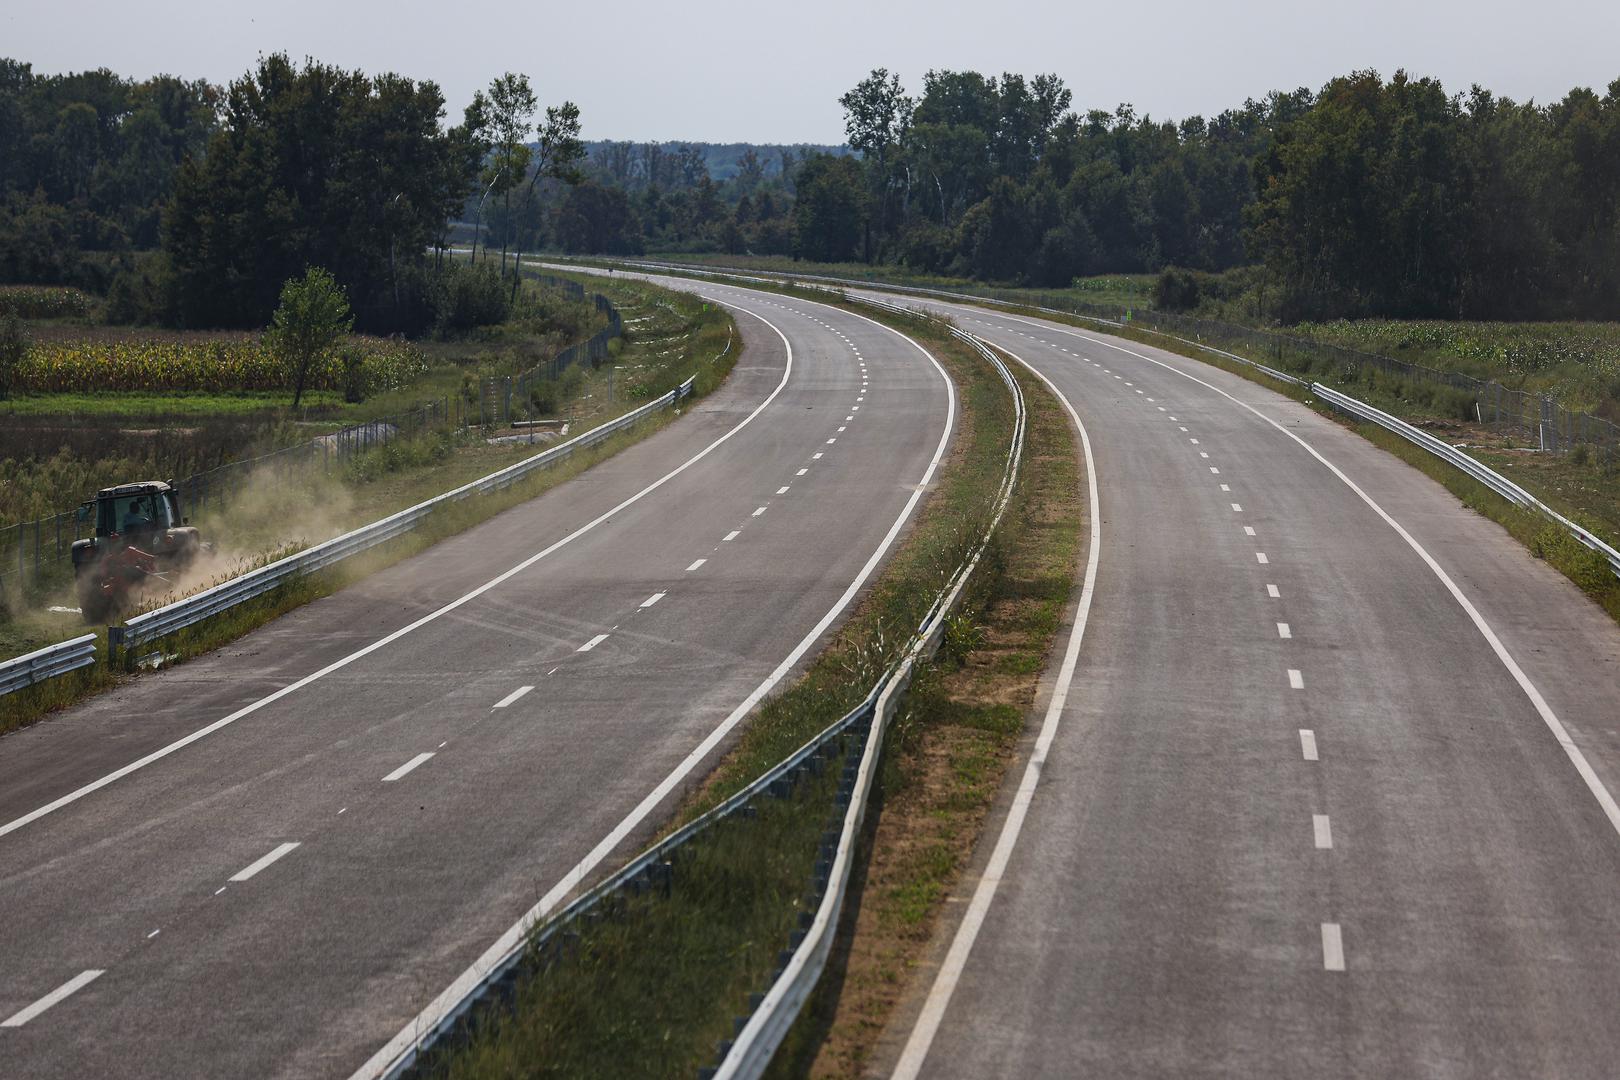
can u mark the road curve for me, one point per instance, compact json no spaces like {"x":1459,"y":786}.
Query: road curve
{"x":1299,"y":815}
{"x":468,"y":731}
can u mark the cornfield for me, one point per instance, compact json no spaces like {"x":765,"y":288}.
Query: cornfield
{"x":217,"y":365}
{"x":43,"y":302}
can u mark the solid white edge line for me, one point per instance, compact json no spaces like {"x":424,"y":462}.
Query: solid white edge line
{"x":61,"y":993}
{"x":513,"y":696}
{"x":1594,"y":783}
{"x":246,"y":710}
{"x":263,"y":861}
{"x":950,"y":972}
{"x":467,"y":980}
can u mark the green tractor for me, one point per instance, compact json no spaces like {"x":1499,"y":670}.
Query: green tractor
{"x":140,"y":541}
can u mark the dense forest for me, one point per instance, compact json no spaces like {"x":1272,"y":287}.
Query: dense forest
{"x":1370,"y":197}
{"x":190,"y":204}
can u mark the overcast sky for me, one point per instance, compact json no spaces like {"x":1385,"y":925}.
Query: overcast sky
{"x":734,"y":71}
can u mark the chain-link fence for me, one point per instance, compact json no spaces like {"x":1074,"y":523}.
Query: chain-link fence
{"x":505,"y":398}
{"x":1537,"y":419}
{"x":32,"y":552}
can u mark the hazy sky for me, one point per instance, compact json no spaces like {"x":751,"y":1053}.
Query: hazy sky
{"x":729,"y":71}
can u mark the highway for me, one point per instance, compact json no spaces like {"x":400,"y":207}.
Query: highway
{"x":1328,"y":792}
{"x":272,"y":861}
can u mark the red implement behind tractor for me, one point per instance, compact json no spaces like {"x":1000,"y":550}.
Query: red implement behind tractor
{"x":141,"y":542}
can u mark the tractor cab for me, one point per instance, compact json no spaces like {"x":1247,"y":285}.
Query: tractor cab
{"x":141,"y":541}
{"x":133,"y":508}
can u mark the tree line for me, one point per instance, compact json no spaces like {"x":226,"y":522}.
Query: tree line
{"x":192,"y":205}
{"x":1370,"y":197}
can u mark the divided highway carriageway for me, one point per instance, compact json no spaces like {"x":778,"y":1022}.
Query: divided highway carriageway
{"x":1328,"y":789}
{"x":271,"y":861}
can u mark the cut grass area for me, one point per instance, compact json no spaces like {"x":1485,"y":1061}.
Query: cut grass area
{"x":654,"y":989}
{"x":948,"y":753}
{"x":282,"y":513}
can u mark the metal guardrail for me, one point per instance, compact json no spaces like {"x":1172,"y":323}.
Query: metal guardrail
{"x":47,"y":663}
{"x":864,"y":725}
{"x":1468,"y":464}
{"x":165,"y":620}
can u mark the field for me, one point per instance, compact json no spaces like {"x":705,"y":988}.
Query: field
{"x":1576,"y":364}
{"x":668,"y":337}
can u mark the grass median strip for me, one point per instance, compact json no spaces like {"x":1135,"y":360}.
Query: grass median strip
{"x":656,"y":984}
{"x":948,"y":753}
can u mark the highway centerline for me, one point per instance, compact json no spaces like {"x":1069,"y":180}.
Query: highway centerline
{"x":407,"y":767}
{"x":55,"y":997}
{"x":513,"y":696}
{"x":1323,"y":831}
{"x":263,"y":861}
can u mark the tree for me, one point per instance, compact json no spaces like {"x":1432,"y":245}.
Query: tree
{"x":511,"y":118}
{"x":313,"y":317}
{"x":831,"y":209}
{"x":13,"y":351}
{"x":877,"y":114}
{"x":560,"y":153}
{"x":316,"y":166}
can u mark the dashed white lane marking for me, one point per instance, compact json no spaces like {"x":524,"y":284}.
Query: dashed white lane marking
{"x":1260,"y":557}
{"x":513,"y":696}
{"x":730,"y":536}
{"x":758,"y":512}
{"x":1193,"y":441}
{"x":259,"y":864}
{"x":1307,"y":743}
{"x":154,"y":933}
{"x":1248,"y":530}
{"x":1323,"y":830}
{"x":653,"y":599}
{"x":1295,"y":679}
{"x":1332,"y":947}
{"x":1201,"y":453}
{"x":1237,"y":508}
{"x":783,"y":490}
{"x":842,"y":430}
{"x":219,"y":890}
{"x":697,"y":563}
{"x":1214,"y":471}
{"x":1182,"y":426}
{"x":832,"y":440}
{"x":593,"y":643}
{"x":1271,"y":591}
{"x":1284,"y":631}
{"x":1161,"y":408}
{"x":854,"y":408}
{"x":801,"y":472}
{"x":817,"y":455}
{"x":61,"y":993}
{"x":848,"y":418}
{"x":1225,"y":487}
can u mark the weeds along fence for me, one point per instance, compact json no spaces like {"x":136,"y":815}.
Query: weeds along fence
{"x":1537,"y":419}
{"x":505,"y":398}
{"x":34,"y":553}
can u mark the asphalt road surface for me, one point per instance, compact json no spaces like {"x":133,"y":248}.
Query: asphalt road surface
{"x":1299,"y":816}
{"x":379,"y":785}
